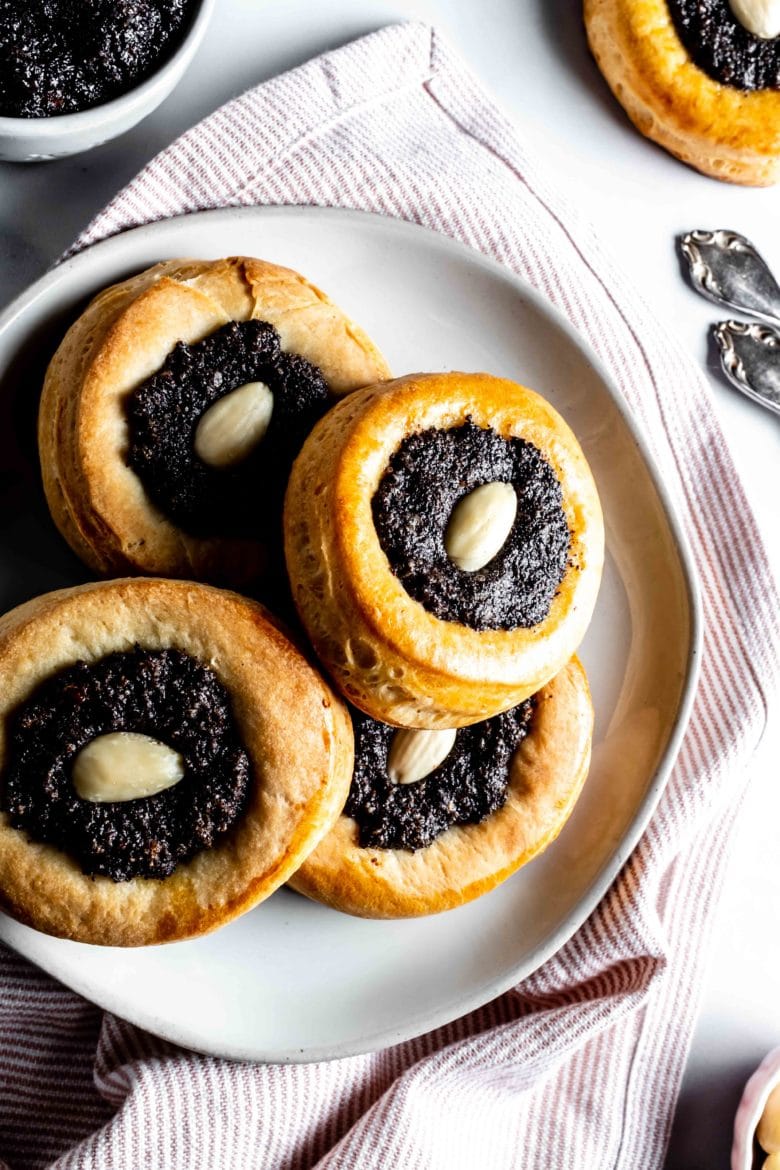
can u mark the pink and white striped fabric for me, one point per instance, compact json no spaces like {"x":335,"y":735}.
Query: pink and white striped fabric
{"x":580,"y":1065}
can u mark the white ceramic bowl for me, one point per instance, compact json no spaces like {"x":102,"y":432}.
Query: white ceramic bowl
{"x":36,"y":139}
{"x":757,"y":1090}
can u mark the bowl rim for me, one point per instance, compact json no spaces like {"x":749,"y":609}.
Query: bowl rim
{"x":107,"y":112}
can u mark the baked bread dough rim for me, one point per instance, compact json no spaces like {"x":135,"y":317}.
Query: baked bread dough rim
{"x":546,"y":776}
{"x":389,"y":655}
{"x":123,"y":336}
{"x":301,"y":769}
{"x":725,"y":132}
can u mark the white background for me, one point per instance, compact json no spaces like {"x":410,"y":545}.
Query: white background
{"x":533,"y":56}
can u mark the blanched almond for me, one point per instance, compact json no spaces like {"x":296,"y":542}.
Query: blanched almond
{"x":124,"y":765}
{"x":480,"y":524}
{"x":231,"y":428}
{"x":414,"y":753}
{"x":760,"y":17}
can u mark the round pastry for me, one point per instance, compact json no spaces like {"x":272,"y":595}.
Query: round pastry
{"x":167,"y":759}
{"x":444,"y":543}
{"x":436,"y":818}
{"x":174,"y":406}
{"x":699,"y":77}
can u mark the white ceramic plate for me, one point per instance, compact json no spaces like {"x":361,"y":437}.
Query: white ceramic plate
{"x":293,"y":980}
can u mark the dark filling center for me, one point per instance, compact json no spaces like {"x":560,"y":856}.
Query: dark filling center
{"x":723,"y":47}
{"x":164,"y":412}
{"x":469,"y":785}
{"x":164,"y":694}
{"x":60,"y":56}
{"x":426,"y":477}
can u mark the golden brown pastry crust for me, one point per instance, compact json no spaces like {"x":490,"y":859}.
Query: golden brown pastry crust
{"x":121,"y":339}
{"x":296,"y":732}
{"x":546,"y":775}
{"x":724,"y":132}
{"x":387,"y":653}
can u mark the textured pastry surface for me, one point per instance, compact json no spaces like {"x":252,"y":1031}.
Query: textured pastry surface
{"x":546,"y":775}
{"x":296,"y":733}
{"x":389,"y":655}
{"x":122,"y":338}
{"x":726,"y":132}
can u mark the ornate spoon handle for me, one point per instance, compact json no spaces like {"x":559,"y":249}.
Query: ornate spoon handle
{"x":726,"y":268}
{"x":750,"y":356}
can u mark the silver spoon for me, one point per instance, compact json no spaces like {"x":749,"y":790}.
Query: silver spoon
{"x":726,"y":268}
{"x":750,"y":357}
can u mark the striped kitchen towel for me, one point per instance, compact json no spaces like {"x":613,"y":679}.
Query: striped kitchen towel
{"x":580,"y":1065}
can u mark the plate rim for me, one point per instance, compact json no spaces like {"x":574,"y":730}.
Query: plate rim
{"x":414,"y":1026}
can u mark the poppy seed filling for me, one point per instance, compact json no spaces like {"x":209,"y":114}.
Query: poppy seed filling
{"x":164,"y":694}
{"x":723,"y":48}
{"x":426,"y":477}
{"x":471,"y":783}
{"x":62,"y":56}
{"x":163,"y":414}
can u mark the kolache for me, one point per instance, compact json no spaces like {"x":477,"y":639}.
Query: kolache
{"x":400,"y":486}
{"x":136,"y":672}
{"x":168,"y":755}
{"x":699,"y":77}
{"x":499,"y":798}
{"x":127,"y":397}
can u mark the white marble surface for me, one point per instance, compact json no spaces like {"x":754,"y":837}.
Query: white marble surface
{"x":532,"y":54}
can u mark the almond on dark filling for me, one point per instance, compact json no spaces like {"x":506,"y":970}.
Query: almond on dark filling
{"x":163,"y":416}
{"x":723,"y":48}
{"x":164,"y":694}
{"x":469,"y":785}
{"x":426,"y":477}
